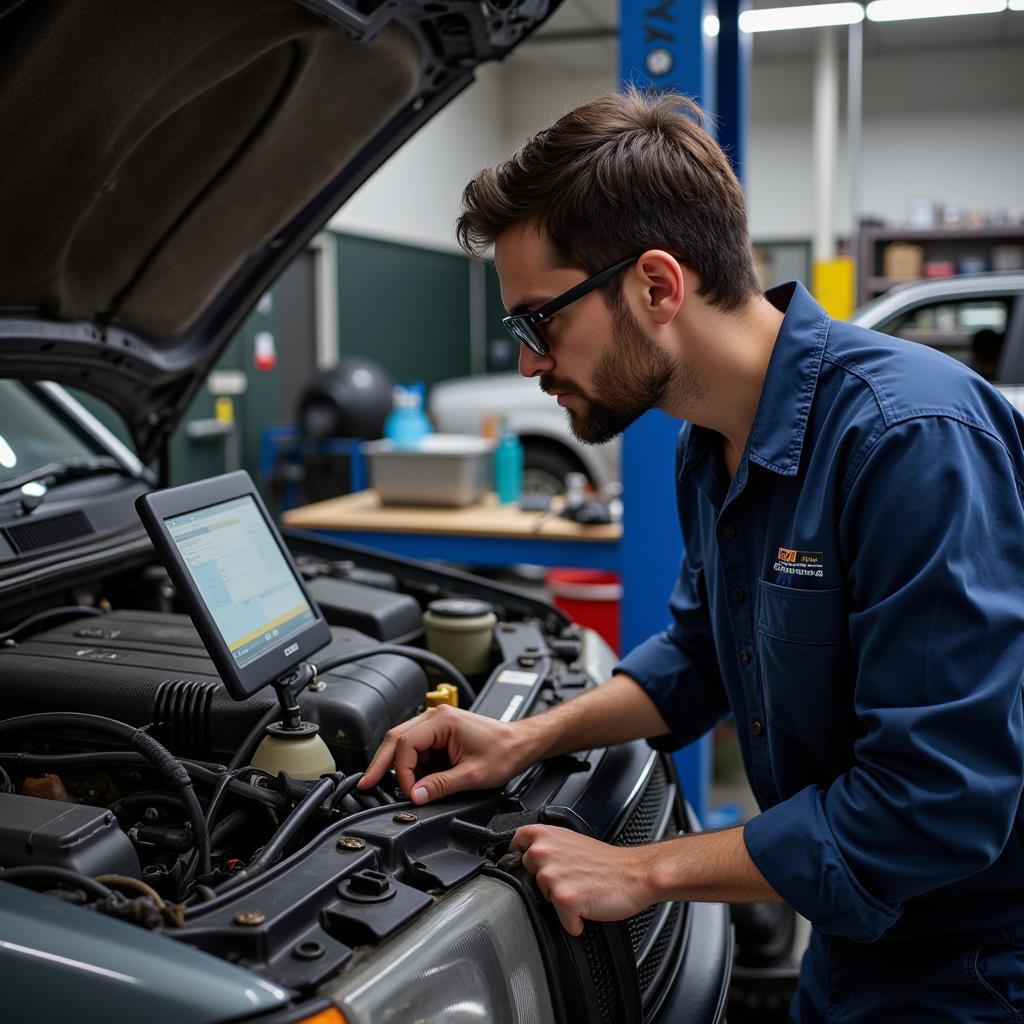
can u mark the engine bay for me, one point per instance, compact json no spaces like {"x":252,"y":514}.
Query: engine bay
{"x":73,"y":800}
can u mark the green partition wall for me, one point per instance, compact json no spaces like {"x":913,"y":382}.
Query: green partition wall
{"x":405,"y":307}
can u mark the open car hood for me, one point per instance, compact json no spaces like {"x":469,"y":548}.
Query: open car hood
{"x":164,"y":161}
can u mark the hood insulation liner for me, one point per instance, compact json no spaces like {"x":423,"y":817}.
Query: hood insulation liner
{"x":151,"y":148}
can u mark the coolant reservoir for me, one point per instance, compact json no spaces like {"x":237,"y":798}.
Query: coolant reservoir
{"x":461,"y":631}
{"x":300,"y":752}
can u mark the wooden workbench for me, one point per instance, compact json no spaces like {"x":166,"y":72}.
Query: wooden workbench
{"x":364,"y":512}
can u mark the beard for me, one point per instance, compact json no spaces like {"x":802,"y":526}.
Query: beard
{"x":632,"y":376}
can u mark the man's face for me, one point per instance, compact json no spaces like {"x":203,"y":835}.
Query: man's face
{"x":602,"y":368}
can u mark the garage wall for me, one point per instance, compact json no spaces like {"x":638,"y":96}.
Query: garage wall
{"x":946,"y":123}
{"x":942,"y":123}
{"x":533,"y":99}
{"x":416,"y":196}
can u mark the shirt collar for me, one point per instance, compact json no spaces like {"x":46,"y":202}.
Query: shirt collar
{"x":777,"y":434}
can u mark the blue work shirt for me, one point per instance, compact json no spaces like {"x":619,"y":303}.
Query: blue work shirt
{"x":854,"y":598}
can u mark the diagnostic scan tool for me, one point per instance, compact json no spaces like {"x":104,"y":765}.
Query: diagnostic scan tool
{"x":236,"y":580}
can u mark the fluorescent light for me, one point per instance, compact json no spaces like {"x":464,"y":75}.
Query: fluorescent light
{"x":900,"y":10}
{"x":711,"y":25}
{"x":1017,"y":5}
{"x":775,"y":19}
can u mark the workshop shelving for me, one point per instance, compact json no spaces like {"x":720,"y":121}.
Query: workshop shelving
{"x":951,"y":244}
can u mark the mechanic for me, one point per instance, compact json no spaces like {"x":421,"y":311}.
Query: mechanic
{"x":852,"y":590}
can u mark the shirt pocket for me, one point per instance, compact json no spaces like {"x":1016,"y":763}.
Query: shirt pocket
{"x":805,"y":664}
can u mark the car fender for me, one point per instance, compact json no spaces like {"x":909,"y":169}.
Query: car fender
{"x":59,"y":960}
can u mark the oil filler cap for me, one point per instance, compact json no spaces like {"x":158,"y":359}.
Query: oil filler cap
{"x":367,"y":886}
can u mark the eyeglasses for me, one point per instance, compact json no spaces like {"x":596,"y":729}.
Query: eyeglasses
{"x":524,"y":328}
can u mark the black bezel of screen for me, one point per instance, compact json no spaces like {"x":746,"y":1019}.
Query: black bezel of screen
{"x":241,"y":681}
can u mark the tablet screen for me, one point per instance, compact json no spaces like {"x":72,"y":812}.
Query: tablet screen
{"x":241,"y":575}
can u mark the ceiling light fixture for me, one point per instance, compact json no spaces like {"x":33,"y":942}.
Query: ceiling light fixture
{"x":712,"y":26}
{"x":776,"y":19}
{"x":1017,"y":5}
{"x":901,"y":10}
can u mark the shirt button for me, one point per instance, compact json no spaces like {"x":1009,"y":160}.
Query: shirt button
{"x":745,"y":656}
{"x":728,"y":531}
{"x":738,"y":594}
{"x":757,"y":728}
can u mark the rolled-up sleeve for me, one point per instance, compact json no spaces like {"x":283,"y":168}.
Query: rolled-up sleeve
{"x":932,"y":530}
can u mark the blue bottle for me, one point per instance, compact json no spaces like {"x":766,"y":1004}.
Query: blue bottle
{"x":508,"y":468}
{"x":419,"y":416}
{"x":407,"y":422}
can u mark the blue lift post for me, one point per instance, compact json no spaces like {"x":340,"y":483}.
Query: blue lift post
{"x":664,"y":45}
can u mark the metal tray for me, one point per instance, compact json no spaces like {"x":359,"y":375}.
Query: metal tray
{"x":442,"y":469}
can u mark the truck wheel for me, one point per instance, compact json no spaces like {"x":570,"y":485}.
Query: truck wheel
{"x":545,"y":468}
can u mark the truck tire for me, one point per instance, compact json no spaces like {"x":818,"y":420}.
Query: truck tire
{"x":545,"y":467}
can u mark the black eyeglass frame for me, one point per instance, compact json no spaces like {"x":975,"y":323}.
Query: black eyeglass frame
{"x":523,"y":326}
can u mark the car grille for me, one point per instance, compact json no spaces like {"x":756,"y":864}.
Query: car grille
{"x":646,"y":823}
{"x":642,"y":824}
{"x":638,"y":928}
{"x":596,"y":949}
{"x":650,"y":970}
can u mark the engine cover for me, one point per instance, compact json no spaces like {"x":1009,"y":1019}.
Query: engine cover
{"x":151,"y":667}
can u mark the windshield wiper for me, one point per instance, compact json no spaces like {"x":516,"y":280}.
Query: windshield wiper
{"x":46,"y":476}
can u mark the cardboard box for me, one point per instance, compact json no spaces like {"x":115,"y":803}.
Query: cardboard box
{"x":902,"y":261}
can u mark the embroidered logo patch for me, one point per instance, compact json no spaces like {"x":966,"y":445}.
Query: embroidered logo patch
{"x":800,"y":563}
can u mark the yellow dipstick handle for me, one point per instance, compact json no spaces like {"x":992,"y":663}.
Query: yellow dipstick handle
{"x":445,"y":693}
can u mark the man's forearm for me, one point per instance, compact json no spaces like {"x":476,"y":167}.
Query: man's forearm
{"x":709,"y":867}
{"x":615,"y":712}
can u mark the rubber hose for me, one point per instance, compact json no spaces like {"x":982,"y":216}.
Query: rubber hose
{"x":67,"y":877}
{"x":200,"y":770}
{"x":303,"y":811}
{"x":69,"y":611}
{"x":236,"y":819}
{"x":167,"y":764}
{"x":344,"y":789}
{"x":253,"y":738}
{"x":216,"y":798}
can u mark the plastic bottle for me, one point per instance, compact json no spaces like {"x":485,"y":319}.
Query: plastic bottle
{"x":407,"y":422}
{"x":419,"y":390}
{"x":508,"y":468}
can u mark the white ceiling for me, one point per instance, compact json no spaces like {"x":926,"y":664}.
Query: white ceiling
{"x":581,"y":37}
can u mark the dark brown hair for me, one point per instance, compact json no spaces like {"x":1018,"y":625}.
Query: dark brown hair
{"x":616,"y":176}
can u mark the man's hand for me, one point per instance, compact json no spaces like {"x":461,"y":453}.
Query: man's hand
{"x":585,"y":879}
{"x":482,"y":753}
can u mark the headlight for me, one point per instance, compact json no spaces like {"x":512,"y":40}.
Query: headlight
{"x":471,"y":958}
{"x":598,"y":658}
